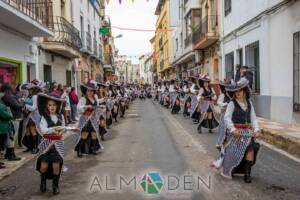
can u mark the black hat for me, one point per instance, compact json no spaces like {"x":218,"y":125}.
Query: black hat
{"x":87,"y":86}
{"x":42,"y":101}
{"x":242,"y":84}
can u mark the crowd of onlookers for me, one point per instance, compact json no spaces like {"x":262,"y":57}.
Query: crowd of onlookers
{"x":12,"y":111}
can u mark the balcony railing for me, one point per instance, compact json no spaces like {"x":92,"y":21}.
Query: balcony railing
{"x":161,"y":43}
{"x":207,"y":27}
{"x":161,"y":65}
{"x":39,"y":10}
{"x":188,"y":40}
{"x":88,"y":41}
{"x":65,"y":33}
{"x":100,"y":52}
{"x":95,"y":47}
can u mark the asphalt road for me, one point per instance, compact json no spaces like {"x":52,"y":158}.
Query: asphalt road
{"x":150,"y":139}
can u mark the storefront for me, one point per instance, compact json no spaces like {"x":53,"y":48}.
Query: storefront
{"x":10,"y":71}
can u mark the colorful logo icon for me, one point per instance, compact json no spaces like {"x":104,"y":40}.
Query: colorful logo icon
{"x":152,"y":183}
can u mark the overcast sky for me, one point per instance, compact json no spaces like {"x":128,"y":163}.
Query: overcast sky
{"x":137,"y":15}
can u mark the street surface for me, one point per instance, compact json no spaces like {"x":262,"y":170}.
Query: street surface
{"x":151,"y":139}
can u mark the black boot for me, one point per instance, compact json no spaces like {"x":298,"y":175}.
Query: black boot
{"x":34,"y":144}
{"x":11,"y":156}
{"x":43,"y":186}
{"x":210,"y":125}
{"x":28,"y":142}
{"x":79,"y":150}
{"x":55,"y":184}
{"x":247,"y":177}
{"x":199,"y":129}
{"x":93,"y":147}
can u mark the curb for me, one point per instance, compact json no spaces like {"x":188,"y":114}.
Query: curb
{"x":287,"y":143}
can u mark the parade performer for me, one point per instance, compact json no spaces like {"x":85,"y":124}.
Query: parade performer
{"x":102,"y":110}
{"x":88,"y":141}
{"x":208,"y":115}
{"x":51,"y":149}
{"x":223,"y":101}
{"x":30,"y":135}
{"x":175,"y":98}
{"x":187,"y":99}
{"x":240,"y":119}
{"x":195,"y":104}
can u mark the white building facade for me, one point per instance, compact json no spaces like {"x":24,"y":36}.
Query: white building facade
{"x":264,"y":35}
{"x":18,"y":48}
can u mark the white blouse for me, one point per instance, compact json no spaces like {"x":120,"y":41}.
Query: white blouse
{"x":81,"y":106}
{"x":44,"y":125}
{"x":228,"y":116}
{"x":221,"y":102}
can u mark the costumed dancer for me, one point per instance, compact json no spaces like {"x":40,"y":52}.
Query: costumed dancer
{"x":175,"y":100}
{"x":30,"y":134}
{"x":223,"y":101}
{"x":208,"y":115}
{"x":51,"y":149}
{"x":102,"y":110}
{"x":195,"y":104}
{"x":187,"y":99}
{"x":242,"y":127}
{"x":88,"y":141}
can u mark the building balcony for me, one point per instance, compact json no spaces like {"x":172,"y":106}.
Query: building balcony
{"x":31,"y":18}
{"x":100,"y":54}
{"x":161,"y":65}
{"x":86,"y":43}
{"x":66,"y":40}
{"x":161,"y":43}
{"x":188,"y":41}
{"x":207,"y":33}
{"x":95,"y":49}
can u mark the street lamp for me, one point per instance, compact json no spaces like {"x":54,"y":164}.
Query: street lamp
{"x":118,"y":36}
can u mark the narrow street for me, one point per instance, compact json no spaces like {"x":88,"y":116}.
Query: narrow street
{"x":151,"y":139}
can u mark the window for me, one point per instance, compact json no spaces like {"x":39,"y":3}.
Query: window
{"x":48,"y":73}
{"x":81,"y":27}
{"x":296,"y":72}
{"x":239,"y":53}
{"x":188,"y":24}
{"x":176,"y":44}
{"x":181,"y":40}
{"x":227,"y":7}
{"x":252,"y":61}
{"x":229,"y":66}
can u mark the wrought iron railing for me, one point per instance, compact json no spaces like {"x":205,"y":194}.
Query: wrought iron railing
{"x":188,"y":40}
{"x":100,"y":52}
{"x":65,"y":33}
{"x":208,"y":26}
{"x":88,"y":41}
{"x":161,"y":65}
{"x":39,"y":10}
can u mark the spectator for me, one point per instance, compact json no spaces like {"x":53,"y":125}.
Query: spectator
{"x":248,"y":74}
{"x":7,"y":128}
{"x":238,"y":73}
{"x":67,"y":106}
{"x":73,"y":103}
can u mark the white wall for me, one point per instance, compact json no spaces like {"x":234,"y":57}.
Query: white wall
{"x":275,"y":35}
{"x":244,"y":10}
{"x":58,"y":67}
{"x":80,"y":8}
{"x":17,"y":48}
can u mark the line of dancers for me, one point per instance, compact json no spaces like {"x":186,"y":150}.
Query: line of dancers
{"x":230,"y":113}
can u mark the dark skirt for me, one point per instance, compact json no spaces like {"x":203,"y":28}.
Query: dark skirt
{"x":88,"y":127}
{"x":50,"y":157}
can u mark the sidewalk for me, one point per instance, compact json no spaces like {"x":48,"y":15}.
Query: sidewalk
{"x":283,"y":136}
